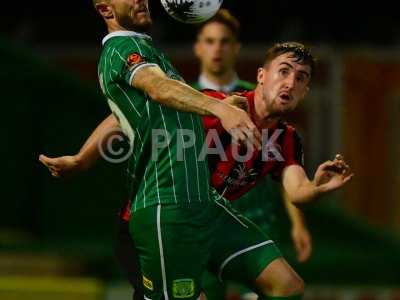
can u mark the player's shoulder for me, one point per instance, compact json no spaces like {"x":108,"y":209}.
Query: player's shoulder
{"x":116,"y":42}
{"x":117,"y":48}
{"x":127,"y":44}
{"x":245,"y":93}
{"x":214,"y":94}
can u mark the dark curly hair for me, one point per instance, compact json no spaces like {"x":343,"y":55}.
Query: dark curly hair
{"x":301,"y":53}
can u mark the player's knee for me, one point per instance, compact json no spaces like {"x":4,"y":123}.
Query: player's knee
{"x":285,"y":282}
{"x":288,"y":288}
{"x":292,"y":286}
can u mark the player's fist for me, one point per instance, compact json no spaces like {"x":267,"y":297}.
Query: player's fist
{"x":239,"y":125}
{"x":332,"y":175}
{"x":61,"y":166}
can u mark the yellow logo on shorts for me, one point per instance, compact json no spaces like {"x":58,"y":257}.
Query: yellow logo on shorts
{"x":148,"y":283}
{"x":183,"y":288}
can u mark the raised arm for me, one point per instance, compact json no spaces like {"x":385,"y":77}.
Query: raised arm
{"x":330,"y":175}
{"x":182,"y":97}
{"x":87,"y":155}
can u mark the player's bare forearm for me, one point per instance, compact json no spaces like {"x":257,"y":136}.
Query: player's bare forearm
{"x":89,"y":153}
{"x":234,"y":120}
{"x":298,"y":189}
{"x":296,"y":216}
{"x":63,"y":166}
{"x":176,"y":94}
{"x":305,"y":193}
{"x":330,"y":176}
{"x":182,"y":97}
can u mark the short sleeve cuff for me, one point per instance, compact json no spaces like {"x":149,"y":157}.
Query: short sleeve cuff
{"x":134,"y":70}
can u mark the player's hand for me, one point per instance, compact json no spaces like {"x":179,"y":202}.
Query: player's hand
{"x":239,"y":125}
{"x":332,"y":175}
{"x":239,"y":102}
{"x":302,"y":242}
{"x":61,"y":166}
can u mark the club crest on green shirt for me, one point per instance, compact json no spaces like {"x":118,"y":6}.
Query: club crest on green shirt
{"x":183,"y":288}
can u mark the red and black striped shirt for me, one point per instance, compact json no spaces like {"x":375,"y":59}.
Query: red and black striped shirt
{"x":232,"y":178}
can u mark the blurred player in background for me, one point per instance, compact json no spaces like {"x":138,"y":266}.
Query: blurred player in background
{"x":217,"y":48}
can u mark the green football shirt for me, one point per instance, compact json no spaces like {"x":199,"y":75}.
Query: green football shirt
{"x":159,"y":172}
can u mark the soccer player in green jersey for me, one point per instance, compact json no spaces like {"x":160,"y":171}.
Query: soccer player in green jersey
{"x":173,"y":211}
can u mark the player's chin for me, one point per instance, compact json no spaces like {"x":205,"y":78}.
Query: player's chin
{"x":146,"y":20}
{"x":143,"y":19}
{"x":218,"y":69}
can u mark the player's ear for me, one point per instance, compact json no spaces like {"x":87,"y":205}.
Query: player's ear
{"x":104,"y":9}
{"x":306,"y":90}
{"x":260,"y":75}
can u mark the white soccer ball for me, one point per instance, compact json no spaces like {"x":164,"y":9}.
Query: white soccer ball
{"x":191,"y":11}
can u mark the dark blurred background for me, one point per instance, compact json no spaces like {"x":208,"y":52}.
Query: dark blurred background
{"x":349,"y":23}
{"x":56,"y":235}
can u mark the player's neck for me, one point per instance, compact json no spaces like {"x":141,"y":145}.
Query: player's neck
{"x":220,"y":79}
{"x":114,"y":26}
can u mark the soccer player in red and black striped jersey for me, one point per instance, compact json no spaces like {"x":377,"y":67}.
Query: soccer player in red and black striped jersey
{"x":233,"y":178}
{"x":217,"y":49}
{"x":283,"y":81}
